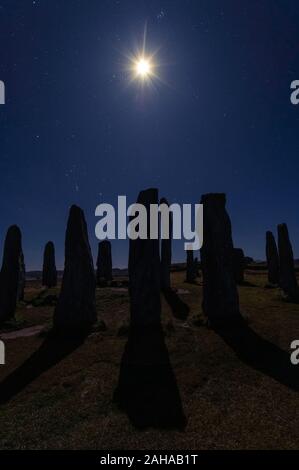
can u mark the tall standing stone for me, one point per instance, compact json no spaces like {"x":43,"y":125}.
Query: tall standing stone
{"x":75,"y":312}
{"x":49,"y":278}
{"x":190,"y":267}
{"x":104,"y":262}
{"x":272,"y":259}
{"x":239,"y":265}
{"x":220,"y":295}
{"x":147,"y":387}
{"x":288,"y":281}
{"x":10,"y":275}
{"x":166,"y":252}
{"x":144,"y":271}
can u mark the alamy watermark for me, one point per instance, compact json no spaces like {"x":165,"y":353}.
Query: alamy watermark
{"x":2,"y":353}
{"x":295,"y":353}
{"x":295,"y":93}
{"x":2,"y":92}
{"x":134,"y":222}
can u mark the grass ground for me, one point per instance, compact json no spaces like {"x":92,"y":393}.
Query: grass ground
{"x":228,"y":404}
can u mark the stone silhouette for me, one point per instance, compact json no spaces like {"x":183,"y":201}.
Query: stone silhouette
{"x":22,"y":277}
{"x":104,"y":262}
{"x":196,"y":264}
{"x":49,"y":278}
{"x":288,"y":281}
{"x":239,"y":265}
{"x":166,"y":252}
{"x":144,"y":271}
{"x":11,"y":283}
{"x":147,"y":388}
{"x":272,"y":259}
{"x":190,"y":267}
{"x":220,"y":295}
{"x":75,"y":312}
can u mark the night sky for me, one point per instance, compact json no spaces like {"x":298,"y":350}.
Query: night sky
{"x":219,"y":119}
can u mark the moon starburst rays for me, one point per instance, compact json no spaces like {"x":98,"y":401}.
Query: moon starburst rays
{"x":142,"y":65}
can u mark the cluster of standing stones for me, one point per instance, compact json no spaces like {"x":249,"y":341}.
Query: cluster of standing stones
{"x":222,"y":268}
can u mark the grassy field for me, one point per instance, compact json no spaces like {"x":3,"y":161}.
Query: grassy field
{"x":66,"y":403}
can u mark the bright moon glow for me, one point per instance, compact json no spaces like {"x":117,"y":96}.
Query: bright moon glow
{"x":143,"y":68}
{"x":142,"y":65}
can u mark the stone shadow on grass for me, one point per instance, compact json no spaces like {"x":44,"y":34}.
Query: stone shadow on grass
{"x":51,"y":351}
{"x":179,"y":309}
{"x":260,"y":354}
{"x":147,"y":390}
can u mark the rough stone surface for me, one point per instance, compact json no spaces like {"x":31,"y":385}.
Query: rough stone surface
{"x":75,"y":312}
{"x":49,"y":278}
{"x":220,"y":295}
{"x":11,"y":273}
{"x":272,"y":259}
{"x":144,"y":272}
{"x":166,"y":254}
{"x":104,"y":262}
{"x":239,"y":265}
{"x":288,"y":282}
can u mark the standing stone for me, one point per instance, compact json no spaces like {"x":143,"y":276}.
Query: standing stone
{"x":220,"y":295}
{"x":288,"y":281}
{"x":147,"y":388}
{"x":144,"y":272}
{"x":10,"y":275}
{"x":196,"y":267}
{"x":190,"y":267}
{"x":49,"y":278}
{"x":75,"y":312}
{"x":239,"y":265}
{"x":104,"y":262}
{"x":272,"y":259}
{"x":22,"y":278}
{"x":166,"y":253}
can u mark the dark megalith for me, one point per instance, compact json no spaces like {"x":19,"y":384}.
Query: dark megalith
{"x":104,"y":263}
{"x":166,"y":251}
{"x":11,"y":275}
{"x":49,"y":278}
{"x":144,"y":271}
{"x":196,"y":267}
{"x":272,"y":259}
{"x":75,"y":312}
{"x":239,"y":265}
{"x":190,"y":267}
{"x":178,"y":307}
{"x":220,"y":294}
{"x":288,"y":281}
{"x":147,"y":388}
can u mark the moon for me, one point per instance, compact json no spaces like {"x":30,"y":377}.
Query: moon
{"x":143,"y":68}
{"x":142,"y":65}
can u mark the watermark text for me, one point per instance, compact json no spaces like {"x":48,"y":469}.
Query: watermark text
{"x":163,"y":221}
{"x":295,"y":93}
{"x":2,"y":353}
{"x":2,"y":92}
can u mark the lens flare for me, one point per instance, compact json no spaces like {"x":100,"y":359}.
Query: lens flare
{"x":142,"y":65}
